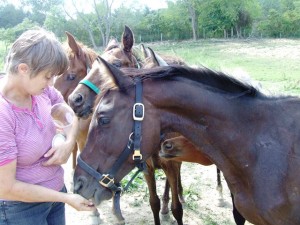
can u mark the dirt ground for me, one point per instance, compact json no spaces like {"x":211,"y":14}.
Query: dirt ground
{"x":204,"y":203}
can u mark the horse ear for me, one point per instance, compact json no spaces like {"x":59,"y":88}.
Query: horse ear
{"x":156,"y":58}
{"x":112,"y":43}
{"x":127,"y":39}
{"x":73,"y":44}
{"x":119,"y":78}
{"x":144,"y":51}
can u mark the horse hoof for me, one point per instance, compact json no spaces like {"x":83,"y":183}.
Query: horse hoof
{"x":181,"y":199}
{"x":120,"y":222}
{"x":95,"y":220}
{"x":165,"y":217}
{"x":164,"y":210}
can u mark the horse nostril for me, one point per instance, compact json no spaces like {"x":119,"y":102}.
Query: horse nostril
{"x":168,"y":145}
{"x":78,"y":185}
{"x":78,"y":99}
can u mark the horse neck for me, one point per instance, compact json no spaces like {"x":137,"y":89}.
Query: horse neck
{"x":209,"y":119}
{"x":191,"y":102}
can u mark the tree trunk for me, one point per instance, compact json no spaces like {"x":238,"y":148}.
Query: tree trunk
{"x":194,"y":19}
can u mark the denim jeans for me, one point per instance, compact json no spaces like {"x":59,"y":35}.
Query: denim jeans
{"x":39,"y":213}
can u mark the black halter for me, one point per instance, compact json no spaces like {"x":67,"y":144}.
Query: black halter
{"x":133,"y":145}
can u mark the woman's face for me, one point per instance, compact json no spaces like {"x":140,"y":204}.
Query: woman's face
{"x":36,"y":85}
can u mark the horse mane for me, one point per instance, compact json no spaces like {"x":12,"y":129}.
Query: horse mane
{"x":210,"y":79}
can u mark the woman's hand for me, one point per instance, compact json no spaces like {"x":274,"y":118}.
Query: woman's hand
{"x":80,"y":203}
{"x":59,"y":154}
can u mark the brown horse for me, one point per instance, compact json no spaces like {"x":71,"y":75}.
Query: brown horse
{"x":181,"y":149}
{"x":253,"y":138}
{"x":123,"y":56}
{"x":80,"y":58}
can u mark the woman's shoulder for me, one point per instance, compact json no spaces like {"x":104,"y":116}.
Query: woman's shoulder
{"x":6,"y":111}
{"x":4,"y":104}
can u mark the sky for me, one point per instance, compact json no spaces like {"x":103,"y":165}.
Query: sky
{"x":152,"y":4}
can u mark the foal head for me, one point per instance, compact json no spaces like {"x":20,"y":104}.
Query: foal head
{"x":120,"y":55}
{"x":81,"y":58}
{"x":180,"y":149}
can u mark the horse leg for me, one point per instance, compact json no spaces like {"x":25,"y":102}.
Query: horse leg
{"x":116,"y":208}
{"x":74,"y":156}
{"x":172,"y":169}
{"x":180,"y":189}
{"x":165,"y":198}
{"x":238,"y":218}
{"x":219,"y":183}
{"x":154,"y":200}
{"x":95,"y":217}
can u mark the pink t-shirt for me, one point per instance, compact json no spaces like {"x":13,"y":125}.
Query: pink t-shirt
{"x":27,"y":135}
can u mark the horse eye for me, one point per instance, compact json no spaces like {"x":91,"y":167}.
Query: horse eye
{"x":117,"y":64}
{"x":71,"y":76}
{"x":168,"y":145}
{"x":104,"y":121}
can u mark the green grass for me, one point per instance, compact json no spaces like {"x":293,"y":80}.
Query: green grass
{"x":2,"y":55}
{"x":273,"y":62}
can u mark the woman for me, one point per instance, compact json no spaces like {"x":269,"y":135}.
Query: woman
{"x":32,"y":189}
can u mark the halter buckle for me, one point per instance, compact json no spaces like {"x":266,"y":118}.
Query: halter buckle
{"x":106,"y":181}
{"x":138,"y":111}
{"x":137,"y":155}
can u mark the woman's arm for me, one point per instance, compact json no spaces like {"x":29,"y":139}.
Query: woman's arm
{"x":12,"y":189}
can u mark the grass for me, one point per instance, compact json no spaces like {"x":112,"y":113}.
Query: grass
{"x":273,"y":62}
{"x":2,"y":55}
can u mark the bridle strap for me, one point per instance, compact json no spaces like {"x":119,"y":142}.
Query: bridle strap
{"x":86,"y":82}
{"x":138,"y":116}
{"x":90,"y":85}
{"x":98,"y":176}
{"x":134,"y":143}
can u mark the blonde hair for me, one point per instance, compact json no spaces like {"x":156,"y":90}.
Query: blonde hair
{"x":40,"y":50}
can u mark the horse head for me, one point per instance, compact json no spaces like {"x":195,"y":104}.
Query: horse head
{"x":181,"y":149}
{"x":104,"y":145}
{"x":118,"y":54}
{"x":80,"y":58}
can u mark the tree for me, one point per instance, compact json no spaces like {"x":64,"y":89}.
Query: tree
{"x":99,"y":21}
{"x":193,"y":7}
{"x":9,"y":35}
{"x":10,"y":16}
{"x":40,"y":8}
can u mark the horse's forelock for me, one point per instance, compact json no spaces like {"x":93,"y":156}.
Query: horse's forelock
{"x":110,"y":47}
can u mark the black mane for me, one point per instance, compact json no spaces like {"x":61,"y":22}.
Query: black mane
{"x":218,"y":81}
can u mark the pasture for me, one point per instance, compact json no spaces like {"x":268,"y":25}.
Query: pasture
{"x":275,"y":63}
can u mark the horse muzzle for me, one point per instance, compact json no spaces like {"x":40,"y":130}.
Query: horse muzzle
{"x":91,"y":190}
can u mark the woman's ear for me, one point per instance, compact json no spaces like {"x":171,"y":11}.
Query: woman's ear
{"x":23,"y":68}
